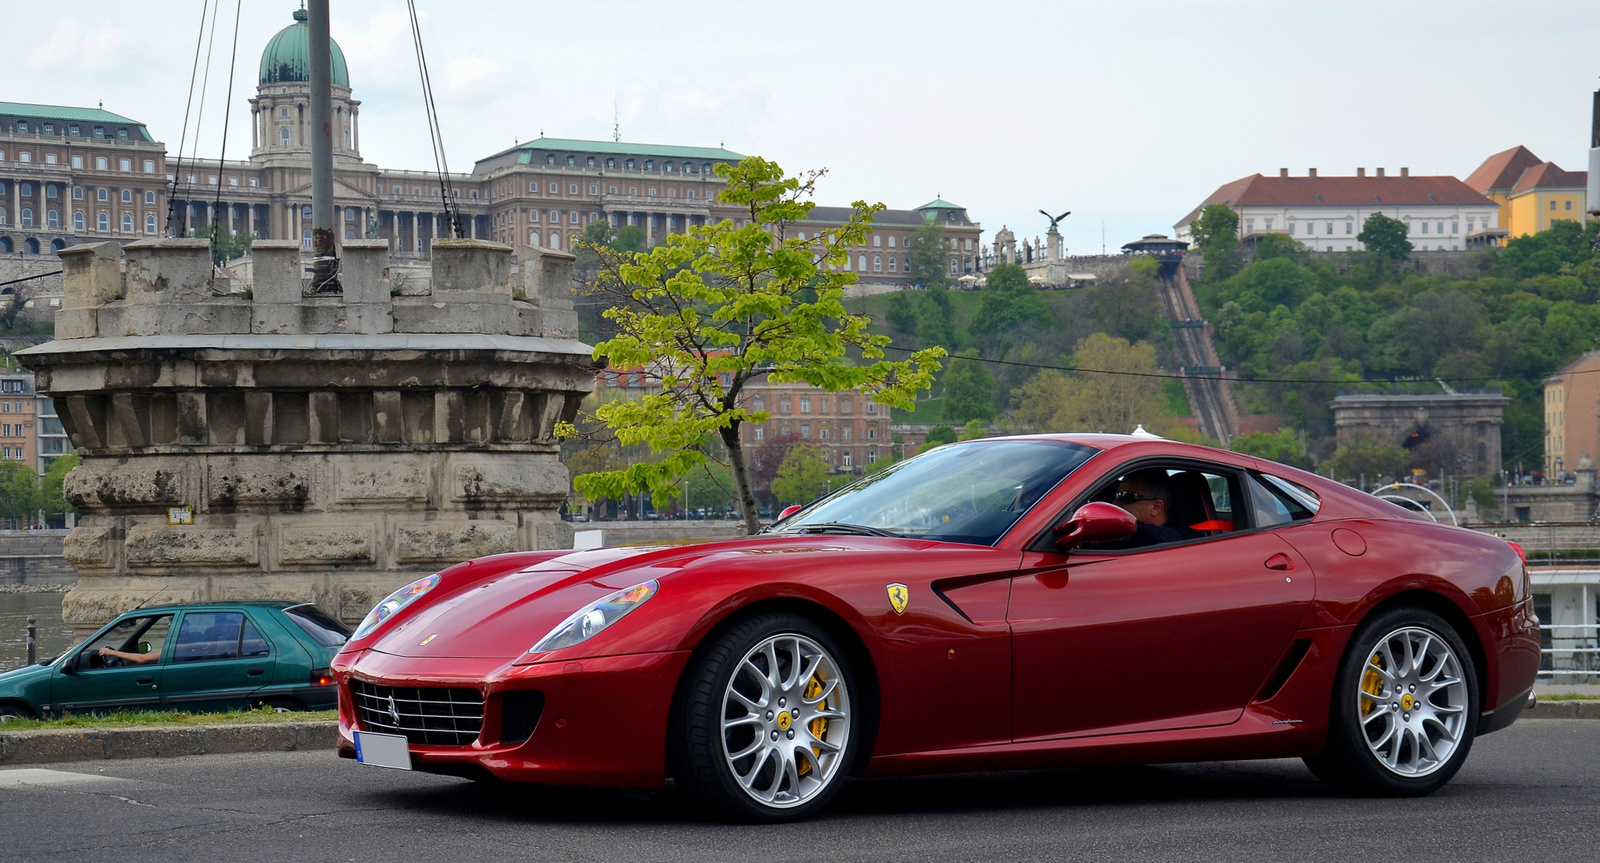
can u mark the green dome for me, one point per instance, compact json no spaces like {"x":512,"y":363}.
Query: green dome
{"x":287,"y":57}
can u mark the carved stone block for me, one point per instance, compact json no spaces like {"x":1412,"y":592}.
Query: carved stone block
{"x":453,"y":540}
{"x":255,"y":480}
{"x":104,"y":483}
{"x":489,"y":483}
{"x":366,"y":481}
{"x":151,"y":545}
{"x":326,"y":544}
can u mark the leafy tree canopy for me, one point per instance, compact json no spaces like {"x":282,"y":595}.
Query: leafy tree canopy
{"x":1385,"y":237}
{"x":803,"y":475}
{"x":1216,"y":235}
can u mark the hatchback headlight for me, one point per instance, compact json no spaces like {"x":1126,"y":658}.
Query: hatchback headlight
{"x":589,"y":620}
{"x":392,"y":605}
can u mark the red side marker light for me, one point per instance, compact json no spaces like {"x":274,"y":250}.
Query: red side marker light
{"x":322,"y":677}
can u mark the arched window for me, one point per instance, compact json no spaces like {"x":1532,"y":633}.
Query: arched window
{"x":127,"y":196}
{"x":125,"y":164}
{"x":649,"y":164}
{"x":102,"y":194}
{"x":861,"y":263}
{"x":572,"y":161}
{"x":149,"y":166}
{"x":27,"y":190}
{"x":892,"y":264}
{"x":52,"y":219}
{"x":283,"y":137}
{"x":150,"y":197}
{"x":102,"y":222}
{"x":149,"y":223}
{"x":25,"y":156}
{"x":127,"y":223}
{"x":49,"y":158}
{"x":77,"y":220}
{"x":688,"y":167}
{"x":610,"y":163}
{"x":549,"y":158}
{"x":533,"y":238}
{"x":30,"y":246}
{"x":629,"y":164}
{"x":670,"y":167}
{"x":588,"y":162}
{"x":705,"y":167}
{"x":672,"y":193}
{"x":101,"y":163}
{"x":877,"y":263}
{"x":572,"y":217}
{"x":27,"y":217}
{"x":555,"y":240}
{"x":77,"y":193}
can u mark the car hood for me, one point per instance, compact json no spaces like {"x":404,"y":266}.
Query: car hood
{"x":505,"y":615}
{"x":18,"y":676}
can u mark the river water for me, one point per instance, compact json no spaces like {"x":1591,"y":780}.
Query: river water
{"x":54,"y":636}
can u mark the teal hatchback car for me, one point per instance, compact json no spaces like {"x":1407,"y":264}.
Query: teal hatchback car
{"x":198,"y":658}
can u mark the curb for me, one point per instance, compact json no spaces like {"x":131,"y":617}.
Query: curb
{"x":1586,"y":709}
{"x":96,"y":744}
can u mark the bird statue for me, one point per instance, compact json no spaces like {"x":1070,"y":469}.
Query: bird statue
{"x":1055,"y":219}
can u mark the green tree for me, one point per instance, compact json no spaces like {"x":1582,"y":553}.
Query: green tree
{"x":227,"y":245}
{"x":710,"y":487}
{"x":1279,"y":246}
{"x":1216,"y":234}
{"x":968,"y":391}
{"x":1385,"y":238}
{"x":1094,"y":401}
{"x":628,"y":238}
{"x":20,"y":497}
{"x":707,"y":311}
{"x":1370,"y":458}
{"x":803,"y":475}
{"x":53,"y":500}
{"x":928,"y":268}
{"x":1282,"y":446}
{"x":1009,"y":304}
{"x":974,"y":430}
{"x":938,"y":436}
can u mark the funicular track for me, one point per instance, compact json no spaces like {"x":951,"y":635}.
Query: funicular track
{"x":1197,"y":359}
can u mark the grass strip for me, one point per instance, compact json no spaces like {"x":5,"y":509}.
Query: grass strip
{"x":165,"y":719}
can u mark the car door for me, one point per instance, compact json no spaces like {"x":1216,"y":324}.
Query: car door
{"x":98,"y":684}
{"x":1164,"y":636}
{"x":219,"y":660}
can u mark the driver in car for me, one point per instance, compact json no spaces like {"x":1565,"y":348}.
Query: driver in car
{"x":135,"y":658}
{"x":1148,"y":496}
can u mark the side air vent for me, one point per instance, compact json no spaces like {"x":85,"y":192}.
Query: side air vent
{"x":519,"y":715}
{"x":1286,"y":666}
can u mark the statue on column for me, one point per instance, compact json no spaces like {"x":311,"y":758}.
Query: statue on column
{"x":1055,"y":272}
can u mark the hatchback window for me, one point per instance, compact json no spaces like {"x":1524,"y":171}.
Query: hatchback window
{"x":211,"y":635}
{"x":138,"y":635}
{"x":1273,"y":506}
{"x":323,"y":629}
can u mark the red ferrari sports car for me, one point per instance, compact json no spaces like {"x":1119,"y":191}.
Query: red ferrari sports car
{"x":1003,"y":603}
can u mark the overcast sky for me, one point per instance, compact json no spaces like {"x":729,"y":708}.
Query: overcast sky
{"x":1127,"y":113}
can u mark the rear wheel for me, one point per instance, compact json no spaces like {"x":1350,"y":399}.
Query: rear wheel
{"x":766,"y":724}
{"x":1405,"y":708}
{"x":279,"y":705}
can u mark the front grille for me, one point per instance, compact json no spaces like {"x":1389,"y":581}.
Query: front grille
{"x":427,"y":716}
{"x":519,"y":714}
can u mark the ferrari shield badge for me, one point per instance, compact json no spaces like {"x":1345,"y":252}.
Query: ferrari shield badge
{"x":899,"y":596}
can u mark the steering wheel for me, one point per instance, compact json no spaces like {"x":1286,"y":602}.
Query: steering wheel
{"x":111,"y":661}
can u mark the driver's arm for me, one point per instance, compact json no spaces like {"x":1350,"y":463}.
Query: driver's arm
{"x":136,"y":658}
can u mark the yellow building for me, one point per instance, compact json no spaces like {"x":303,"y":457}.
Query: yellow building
{"x":1532,"y":193}
{"x":1572,"y":416}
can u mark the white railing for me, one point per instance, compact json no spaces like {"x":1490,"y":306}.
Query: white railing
{"x":1574,"y":652}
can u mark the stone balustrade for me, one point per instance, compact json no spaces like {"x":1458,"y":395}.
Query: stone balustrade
{"x":329,"y":447}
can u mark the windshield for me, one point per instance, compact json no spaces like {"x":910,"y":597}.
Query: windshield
{"x":968,"y":492}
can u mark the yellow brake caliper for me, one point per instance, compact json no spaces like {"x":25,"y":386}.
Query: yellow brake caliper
{"x":1372,"y":684}
{"x":819,"y":726}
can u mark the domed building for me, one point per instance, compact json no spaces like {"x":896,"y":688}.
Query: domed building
{"x":283,"y":97}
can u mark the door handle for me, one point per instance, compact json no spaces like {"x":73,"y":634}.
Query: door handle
{"x":146,"y":678}
{"x":1280,"y":562}
{"x":255,"y":672}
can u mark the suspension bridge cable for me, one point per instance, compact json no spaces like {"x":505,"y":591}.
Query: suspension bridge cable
{"x":200,"y":114}
{"x":441,"y":163}
{"x":227,"y":111}
{"x":172,"y":187}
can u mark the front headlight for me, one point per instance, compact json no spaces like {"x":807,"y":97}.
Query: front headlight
{"x":396,"y":601}
{"x":589,"y":620}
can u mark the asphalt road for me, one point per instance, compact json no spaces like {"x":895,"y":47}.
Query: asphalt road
{"x":1530,"y":792}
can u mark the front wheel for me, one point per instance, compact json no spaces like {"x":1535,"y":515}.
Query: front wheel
{"x":15,"y":713}
{"x":1405,"y":708}
{"x":766,"y":725}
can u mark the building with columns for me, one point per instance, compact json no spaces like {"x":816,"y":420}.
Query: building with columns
{"x":542,"y":192}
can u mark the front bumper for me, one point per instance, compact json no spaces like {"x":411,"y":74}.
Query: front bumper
{"x":603,"y":721}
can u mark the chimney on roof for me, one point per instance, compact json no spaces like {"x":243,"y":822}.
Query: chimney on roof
{"x":1361,"y":172}
{"x":1405,"y":172}
{"x":1284,"y":172}
{"x":1311,"y":172}
{"x":1380,"y":172}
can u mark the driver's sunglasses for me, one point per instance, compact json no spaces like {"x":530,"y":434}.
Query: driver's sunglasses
{"x":1125,"y":497}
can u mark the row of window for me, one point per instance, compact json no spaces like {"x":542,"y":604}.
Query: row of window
{"x":1309,"y":228}
{"x":786,"y":404}
{"x":52,"y":191}
{"x":101,"y":163}
{"x":12,"y":453}
{"x":822,"y":432}
{"x":102,"y":221}
{"x":610,"y":163}
{"x":71,"y":130}
{"x":11,"y":429}
{"x":846,"y":457}
{"x":953,"y":243}
{"x":1553,"y":204}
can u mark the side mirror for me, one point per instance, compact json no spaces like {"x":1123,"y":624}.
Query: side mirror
{"x":70,"y":666}
{"x":789,"y":510}
{"x":144,"y":647}
{"x":1095,"y":522}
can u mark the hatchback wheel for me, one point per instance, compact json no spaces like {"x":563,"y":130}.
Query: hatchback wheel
{"x":766,"y":725}
{"x":1405,"y":708}
{"x":15,"y":713}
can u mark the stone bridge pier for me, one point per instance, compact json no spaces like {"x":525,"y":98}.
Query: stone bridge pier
{"x":311,"y":448}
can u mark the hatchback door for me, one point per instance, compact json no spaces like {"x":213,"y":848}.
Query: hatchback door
{"x":219,"y":661}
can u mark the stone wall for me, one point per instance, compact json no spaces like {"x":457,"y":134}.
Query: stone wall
{"x":44,"y":293}
{"x":329,"y":447}
{"x":34,"y":557}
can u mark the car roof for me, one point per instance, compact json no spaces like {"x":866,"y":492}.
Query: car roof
{"x":230,"y":604}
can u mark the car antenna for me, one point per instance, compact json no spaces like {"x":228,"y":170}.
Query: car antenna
{"x":151,"y":596}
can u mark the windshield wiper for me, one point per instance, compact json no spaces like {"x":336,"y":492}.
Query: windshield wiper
{"x":842,"y":527}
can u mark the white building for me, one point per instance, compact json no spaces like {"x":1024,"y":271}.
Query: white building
{"x":1326,"y":213}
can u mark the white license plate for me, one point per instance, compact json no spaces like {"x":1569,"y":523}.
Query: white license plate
{"x":383,"y":750}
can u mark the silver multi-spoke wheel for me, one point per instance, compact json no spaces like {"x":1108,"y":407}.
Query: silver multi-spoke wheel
{"x":785,"y":720}
{"x":1412,"y":701}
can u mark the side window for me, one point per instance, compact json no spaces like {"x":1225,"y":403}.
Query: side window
{"x":1272,"y":507}
{"x":143,"y":636}
{"x":1173,"y":503}
{"x":251,"y":643}
{"x":209,"y":635}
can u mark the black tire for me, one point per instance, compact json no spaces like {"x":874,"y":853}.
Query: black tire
{"x":697,"y":742}
{"x":1351,"y":760}
{"x":279,"y":705}
{"x":14,"y":712}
